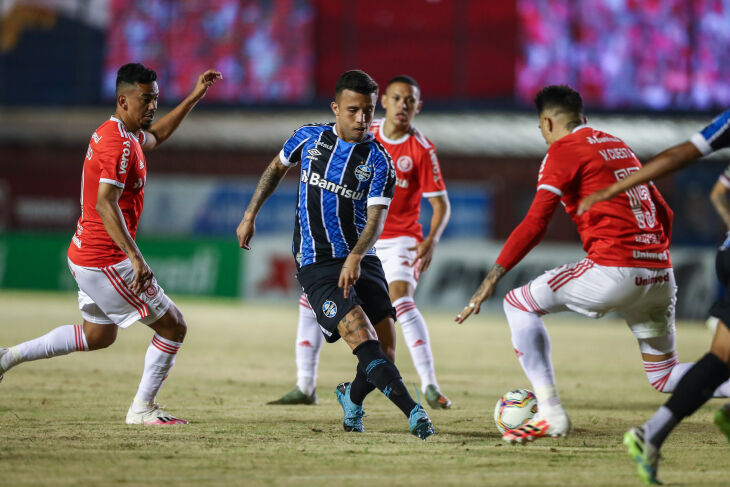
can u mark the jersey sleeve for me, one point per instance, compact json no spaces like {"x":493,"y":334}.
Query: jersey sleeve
{"x":715,"y":136}
{"x":558,"y":169}
{"x":382,"y":185}
{"x":429,"y":174}
{"x":530,"y":230}
{"x":291,"y":154}
{"x":114,"y":157}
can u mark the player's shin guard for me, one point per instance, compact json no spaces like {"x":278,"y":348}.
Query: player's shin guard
{"x":158,"y":361}
{"x":59,"y":341}
{"x":308,"y":347}
{"x":532,"y":346}
{"x":383,"y":373}
{"x":416,"y":337}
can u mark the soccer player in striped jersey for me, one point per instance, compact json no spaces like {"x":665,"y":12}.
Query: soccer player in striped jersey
{"x":401,"y":248}
{"x":346,"y":184}
{"x":116,"y":286}
{"x":701,"y":381}
{"x":627,"y":270}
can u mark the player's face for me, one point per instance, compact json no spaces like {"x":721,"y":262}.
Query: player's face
{"x":354,"y":114}
{"x":401,"y":102}
{"x":140,"y":104}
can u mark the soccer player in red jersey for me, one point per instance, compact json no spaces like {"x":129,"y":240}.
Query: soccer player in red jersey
{"x":116,"y":286}
{"x":702,"y":379}
{"x":627,"y":270}
{"x":401,"y":247}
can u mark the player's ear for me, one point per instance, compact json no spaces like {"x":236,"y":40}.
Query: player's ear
{"x":122,"y":101}
{"x":419,"y":106}
{"x":335,"y":108}
{"x":383,"y":98}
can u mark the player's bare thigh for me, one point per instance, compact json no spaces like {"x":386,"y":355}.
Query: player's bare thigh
{"x":355,"y":328}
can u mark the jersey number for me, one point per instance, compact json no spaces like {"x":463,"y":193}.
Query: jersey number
{"x":640,"y":200}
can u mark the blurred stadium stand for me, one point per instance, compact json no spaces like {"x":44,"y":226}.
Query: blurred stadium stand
{"x":651,"y":73}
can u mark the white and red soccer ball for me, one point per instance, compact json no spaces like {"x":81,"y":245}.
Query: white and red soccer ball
{"x":514,"y":409}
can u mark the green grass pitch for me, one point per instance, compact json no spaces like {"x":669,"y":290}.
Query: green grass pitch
{"x":62,"y":420}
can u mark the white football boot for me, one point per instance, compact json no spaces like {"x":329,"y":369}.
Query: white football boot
{"x":554,"y":422}
{"x":155,"y":416}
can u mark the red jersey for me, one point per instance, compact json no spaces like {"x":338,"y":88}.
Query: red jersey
{"x":114,"y":157}
{"x":417,"y":175}
{"x":630,"y":230}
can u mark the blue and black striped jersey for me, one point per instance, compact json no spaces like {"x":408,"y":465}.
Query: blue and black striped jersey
{"x":338,"y":181}
{"x":715,"y":136}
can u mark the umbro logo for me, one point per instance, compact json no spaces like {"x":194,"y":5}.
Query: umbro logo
{"x":313,"y":153}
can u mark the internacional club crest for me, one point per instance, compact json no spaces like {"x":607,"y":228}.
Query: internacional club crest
{"x":329,"y":308}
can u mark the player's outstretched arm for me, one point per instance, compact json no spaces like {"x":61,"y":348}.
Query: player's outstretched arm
{"x":522,"y":239}
{"x":486,"y":289}
{"x":350,"y":272}
{"x":719,"y":197}
{"x":107,"y":205}
{"x":663,"y":163}
{"x":440,"y":218}
{"x":268,"y":182}
{"x":164,"y":127}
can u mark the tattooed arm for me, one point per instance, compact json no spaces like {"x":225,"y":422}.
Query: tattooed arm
{"x":373,"y":228}
{"x":267,"y":184}
{"x":485,"y":290}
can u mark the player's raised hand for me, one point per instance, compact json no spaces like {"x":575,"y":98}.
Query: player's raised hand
{"x":245,"y":232}
{"x":142,"y":276}
{"x":424,"y":254}
{"x":590,"y":200}
{"x":205,"y":81}
{"x":350,"y":273}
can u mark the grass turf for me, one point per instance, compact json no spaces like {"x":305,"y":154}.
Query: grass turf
{"x":62,"y":420}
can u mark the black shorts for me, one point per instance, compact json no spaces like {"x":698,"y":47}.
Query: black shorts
{"x":319,"y":282}
{"x":721,"y":307}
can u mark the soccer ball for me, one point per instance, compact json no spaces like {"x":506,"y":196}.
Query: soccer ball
{"x":514,"y":409}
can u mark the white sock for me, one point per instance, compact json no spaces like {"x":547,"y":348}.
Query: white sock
{"x":59,"y":341}
{"x":532,"y":346}
{"x":158,"y":361}
{"x":664,"y":376}
{"x":416,"y":336}
{"x":308,"y":347}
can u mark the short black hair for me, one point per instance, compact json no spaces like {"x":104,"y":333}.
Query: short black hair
{"x":404,"y":78}
{"x":356,"y":80}
{"x":562,"y":97}
{"x":134,"y":73}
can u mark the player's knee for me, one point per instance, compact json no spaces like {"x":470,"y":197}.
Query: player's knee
{"x":172,"y":325}
{"x":389,"y":351}
{"x":100,"y":339}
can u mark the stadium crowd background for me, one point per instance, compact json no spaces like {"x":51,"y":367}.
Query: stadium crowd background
{"x":651,"y":72}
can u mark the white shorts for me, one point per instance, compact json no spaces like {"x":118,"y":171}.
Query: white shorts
{"x":645,"y":298}
{"x":397,"y":259}
{"x":105,"y":297}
